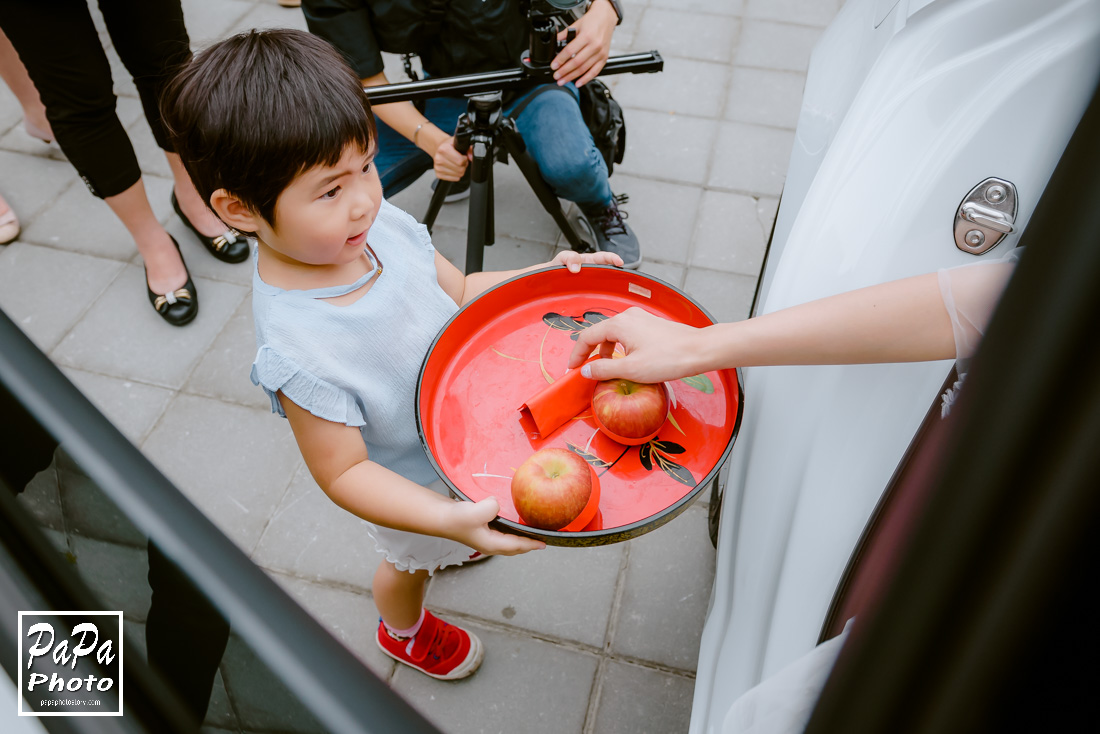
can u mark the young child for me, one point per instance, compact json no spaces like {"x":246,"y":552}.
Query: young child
{"x":348,"y":294}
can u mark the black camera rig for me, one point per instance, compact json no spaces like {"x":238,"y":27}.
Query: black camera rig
{"x":483,"y":123}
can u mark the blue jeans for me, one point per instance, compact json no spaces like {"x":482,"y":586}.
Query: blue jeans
{"x":551,"y":126}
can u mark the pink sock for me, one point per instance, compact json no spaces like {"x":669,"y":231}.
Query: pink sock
{"x":410,"y":631}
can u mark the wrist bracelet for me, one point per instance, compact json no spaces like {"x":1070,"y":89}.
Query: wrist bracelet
{"x":416,"y":133}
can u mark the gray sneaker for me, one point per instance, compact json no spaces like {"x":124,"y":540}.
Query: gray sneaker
{"x":459,"y":189}
{"x":611,"y":233}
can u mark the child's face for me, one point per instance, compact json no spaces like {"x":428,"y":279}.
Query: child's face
{"x":323,"y":217}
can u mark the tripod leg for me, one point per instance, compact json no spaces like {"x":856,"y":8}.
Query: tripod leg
{"x":441,"y":190}
{"x":475,"y":231}
{"x":490,"y":206}
{"x":481,"y":196}
{"x":515,"y":146}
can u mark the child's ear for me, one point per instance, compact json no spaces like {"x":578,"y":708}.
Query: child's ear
{"x":234,"y":213}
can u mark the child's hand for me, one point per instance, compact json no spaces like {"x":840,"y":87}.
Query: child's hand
{"x":470,"y":525}
{"x":574,"y":260}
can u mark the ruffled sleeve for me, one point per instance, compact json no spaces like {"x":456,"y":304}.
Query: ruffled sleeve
{"x":970,"y":293}
{"x":275,"y":372}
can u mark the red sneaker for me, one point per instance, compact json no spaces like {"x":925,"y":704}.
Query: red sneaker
{"x":440,"y":650}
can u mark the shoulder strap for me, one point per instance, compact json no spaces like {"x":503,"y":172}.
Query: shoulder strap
{"x":515,"y":113}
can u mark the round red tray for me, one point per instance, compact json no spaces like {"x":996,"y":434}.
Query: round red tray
{"x":508,"y":344}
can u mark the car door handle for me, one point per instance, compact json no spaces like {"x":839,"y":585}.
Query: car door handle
{"x":987,"y":217}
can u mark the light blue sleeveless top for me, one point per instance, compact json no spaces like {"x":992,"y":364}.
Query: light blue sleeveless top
{"x":358,"y":364}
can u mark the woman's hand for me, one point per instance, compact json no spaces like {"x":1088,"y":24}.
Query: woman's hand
{"x":448,"y":163}
{"x":574,"y":260}
{"x":469,"y":525}
{"x":584,"y":56}
{"x":656,"y":349}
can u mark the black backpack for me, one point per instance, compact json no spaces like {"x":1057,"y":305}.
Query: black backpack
{"x":602,"y":115}
{"x":604,"y":118}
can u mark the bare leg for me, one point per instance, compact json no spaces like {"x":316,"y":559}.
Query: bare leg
{"x":15,"y":75}
{"x":191,"y":203}
{"x":399,"y":595}
{"x":165,"y":267}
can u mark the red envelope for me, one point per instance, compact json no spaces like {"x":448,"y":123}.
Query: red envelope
{"x":564,"y":399}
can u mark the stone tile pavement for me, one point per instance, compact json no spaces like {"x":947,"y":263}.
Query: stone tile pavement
{"x":598,"y":641}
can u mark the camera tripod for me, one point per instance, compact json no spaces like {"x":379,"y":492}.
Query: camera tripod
{"x":492,"y":135}
{"x":484,"y":128}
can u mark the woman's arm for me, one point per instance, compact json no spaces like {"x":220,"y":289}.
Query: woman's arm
{"x":404,"y":118}
{"x":901,"y":321}
{"x":338,"y":461}
{"x":464,"y":288}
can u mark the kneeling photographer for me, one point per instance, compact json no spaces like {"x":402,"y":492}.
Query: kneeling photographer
{"x":456,"y":37}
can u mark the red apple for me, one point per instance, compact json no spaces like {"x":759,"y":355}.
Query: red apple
{"x":551,"y":488}
{"x":631,"y":410}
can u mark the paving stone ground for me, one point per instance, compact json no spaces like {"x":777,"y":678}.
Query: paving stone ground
{"x":597,"y":641}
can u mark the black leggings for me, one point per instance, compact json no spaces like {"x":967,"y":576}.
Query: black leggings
{"x":60,"y":47}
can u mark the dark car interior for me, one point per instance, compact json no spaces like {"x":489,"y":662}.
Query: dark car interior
{"x":972,"y":587}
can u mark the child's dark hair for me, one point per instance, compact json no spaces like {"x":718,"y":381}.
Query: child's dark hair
{"x":252,"y":112}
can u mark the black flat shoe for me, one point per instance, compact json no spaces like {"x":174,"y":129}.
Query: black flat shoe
{"x":229,"y":247}
{"x":181,"y":305}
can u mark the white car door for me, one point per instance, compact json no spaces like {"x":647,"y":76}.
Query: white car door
{"x":909,"y":105}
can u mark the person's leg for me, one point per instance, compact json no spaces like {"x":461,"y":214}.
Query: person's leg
{"x":152,"y":42}
{"x":26,"y":448}
{"x":397,"y":161}
{"x":15,"y":76}
{"x":165,"y":270}
{"x":414,"y":636}
{"x":60,"y":48}
{"x":185,"y":634}
{"x":197,"y":211}
{"x":557,"y":138}
{"x":399,"y":595}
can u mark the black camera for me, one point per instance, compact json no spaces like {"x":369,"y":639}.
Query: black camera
{"x":546,"y":19}
{"x":545,"y":8}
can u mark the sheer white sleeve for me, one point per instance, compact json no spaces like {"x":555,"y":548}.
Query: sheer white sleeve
{"x":970,"y":293}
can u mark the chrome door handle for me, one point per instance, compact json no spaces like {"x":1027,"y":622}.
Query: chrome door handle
{"x":986,"y":217}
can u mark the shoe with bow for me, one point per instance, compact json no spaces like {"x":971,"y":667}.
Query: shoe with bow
{"x":177,"y":307}
{"x":230,"y":246}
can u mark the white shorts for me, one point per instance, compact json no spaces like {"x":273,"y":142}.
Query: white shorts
{"x":415,"y":552}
